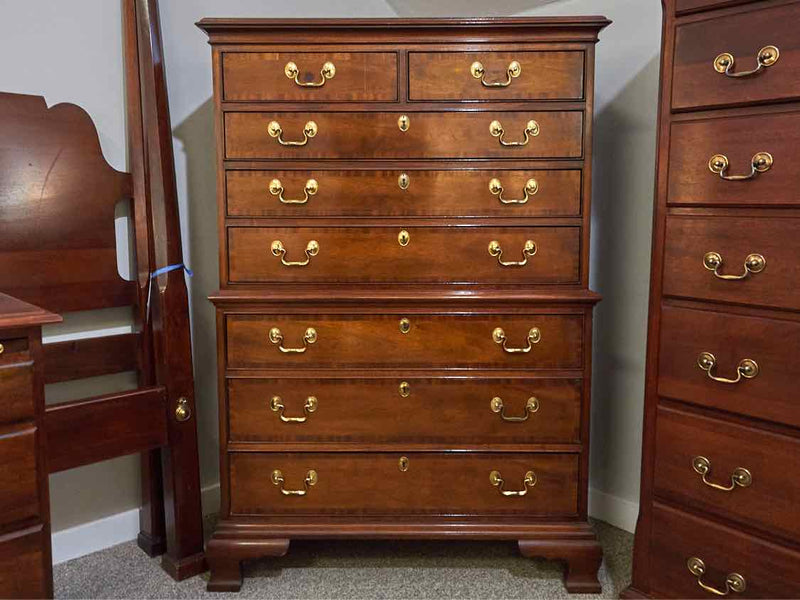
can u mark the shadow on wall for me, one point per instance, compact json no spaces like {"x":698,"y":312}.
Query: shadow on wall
{"x":196,"y":134}
{"x":623,"y":180}
{"x":462,"y":8}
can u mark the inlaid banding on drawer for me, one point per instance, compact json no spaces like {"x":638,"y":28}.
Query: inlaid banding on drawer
{"x":269,"y":76}
{"x":696,"y":81}
{"x":760,"y":268}
{"x":766,"y":499}
{"x":495,"y":75}
{"x":738,"y":140}
{"x":404,"y":254}
{"x":423,"y":341}
{"x":453,"y":134}
{"x":432,"y":483}
{"x":731,"y":339}
{"x":522,"y":193}
{"x":405,"y":410}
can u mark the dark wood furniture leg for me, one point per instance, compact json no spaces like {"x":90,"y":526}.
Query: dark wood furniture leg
{"x":581,"y":554}
{"x":225,"y":556}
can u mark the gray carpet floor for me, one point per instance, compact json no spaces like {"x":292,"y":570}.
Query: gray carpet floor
{"x":354,"y":569}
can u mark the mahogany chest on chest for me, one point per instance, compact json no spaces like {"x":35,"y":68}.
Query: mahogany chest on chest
{"x":404,"y":324}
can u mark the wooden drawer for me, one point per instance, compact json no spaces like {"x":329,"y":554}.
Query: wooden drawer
{"x":262,"y":76}
{"x":19,"y":494}
{"x":731,"y":338}
{"x":427,"y":193}
{"x":689,"y":6}
{"x":690,"y":239}
{"x":433,"y":483}
{"x":24,"y":572}
{"x":769,"y":570}
{"x":696,"y":82}
{"x":13,"y":350}
{"x":429,"y":135}
{"x":433,"y":340}
{"x":769,"y":502}
{"x":16,"y":392}
{"x":431,"y":254}
{"x":739,"y":139}
{"x":541,"y":75}
{"x":453,"y":410}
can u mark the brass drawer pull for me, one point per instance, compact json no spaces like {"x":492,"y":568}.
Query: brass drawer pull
{"x":479,"y":72}
{"x":328,"y":71}
{"x":309,"y":131}
{"x":531,"y":406}
{"x":747,"y":368}
{"x":276,"y":189}
{"x":276,"y":337}
{"x":733,"y":582}
{"x":767,"y":57}
{"x":497,"y":481}
{"x":760,"y":163}
{"x":312,"y":249}
{"x":497,"y":251}
{"x":531,"y":129}
{"x":754,"y":263}
{"x":740,"y":477}
{"x":531,"y":188}
{"x":276,"y":405}
{"x":534,"y":337}
{"x":310,"y":480}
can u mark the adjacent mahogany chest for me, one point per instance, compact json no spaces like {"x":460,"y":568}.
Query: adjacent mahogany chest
{"x":404,"y":324}
{"x":719,"y":502}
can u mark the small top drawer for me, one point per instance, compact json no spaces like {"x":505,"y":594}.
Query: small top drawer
{"x":759,"y":41}
{"x":309,"y":76}
{"x":495,"y":75}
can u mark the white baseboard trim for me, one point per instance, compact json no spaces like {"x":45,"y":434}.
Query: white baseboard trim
{"x":109,"y":531}
{"x":614,"y":510}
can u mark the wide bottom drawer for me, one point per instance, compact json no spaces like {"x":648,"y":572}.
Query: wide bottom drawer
{"x":690,"y":553}
{"x":396,"y":482}
{"x":24,"y":568}
{"x":450,"y":410}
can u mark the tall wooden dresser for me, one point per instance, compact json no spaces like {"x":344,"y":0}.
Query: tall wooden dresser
{"x":404,"y":325}
{"x":720,"y":500}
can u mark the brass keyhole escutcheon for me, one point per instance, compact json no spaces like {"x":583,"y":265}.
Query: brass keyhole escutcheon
{"x":405,"y":325}
{"x":403,"y":238}
{"x":402,"y":464}
{"x":404,"y":122}
{"x":182,"y":410}
{"x":403,"y":181}
{"x":405,"y":389}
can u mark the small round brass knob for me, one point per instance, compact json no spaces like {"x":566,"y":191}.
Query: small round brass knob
{"x":277,"y":248}
{"x":310,"y":335}
{"x":404,"y":122}
{"x":723,"y":62}
{"x":403,"y":181}
{"x":405,"y":389}
{"x":403,"y":238}
{"x":274,"y":129}
{"x":495,"y":478}
{"x":498,"y":335}
{"x":532,"y":186}
{"x":494,"y":248}
{"x":405,"y":325}
{"x":312,"y":248}
{"x":495,"y":187}
{"x":718,"y":163}
{"x":290,"y":70}
{"x":310,"y":129}
{"x":706,"y":361}
{"x":535,"y":335}
{"x":763,"y":162}
{"x":768,"y":55}
{"x":532,"y":127}
{"x":275,"y":187}
{"x":755,"y":263}
{"x":312,"y":187}
{"x":748,"y":368}
{"x":514,"y":68}
{"x":328,"y":70}
{"x":477,"y":69}
{"x":712,"y":260}
{"x":530,"y":247}
{"x":182,"y":410}
{"x":496,"y":128}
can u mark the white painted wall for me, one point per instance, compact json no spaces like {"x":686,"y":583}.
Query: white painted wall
{"x":72,"y":52}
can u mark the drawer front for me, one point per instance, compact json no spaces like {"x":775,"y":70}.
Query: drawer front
{"x":265,"y":76}
{"x":433,"y":483}
{"x":521,"y":193}
{"x":13,"y":350}
{"x":16,"y":392}
{"x":767,"y":501}
{"x":690,"y":272}
{"x":696,"y":81}
{"x":430,"y":254}
{"x":769,"y":570}
{"x":405,"y":410}
{"x":528,"y":75}
{"x":771,"y":395}
{"x":431,"y":341}
{"x":687,"y":6}
{"x":739,"y":140}
{"x":429,"y":135}
{"x":19,"y":494}
{"x":23,"y":572}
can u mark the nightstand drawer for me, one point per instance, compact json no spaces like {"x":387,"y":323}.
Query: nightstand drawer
{"x":19,"y":494}
{"x":759,"y":38}
{"x":381,"y":193}
{"x":405,"y":409}
{"x":309,"y":76}
{"x":423,"y":483}
{"x":16,"y":392}
{"x":384,"y":254}
{"x":486,"y":75}
{"x":24,"y":565}
{"x":696,"y":456}
{"x":427,"y":135}
{"x":529,"y":341}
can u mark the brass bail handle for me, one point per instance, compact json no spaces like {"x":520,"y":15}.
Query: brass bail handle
{"x":734,"y":582}
{"x":496,"y":479}
{"x":328,"y":71}
{"x":532,"y":129}
{"x":276,"y":189}
{"x":753,"y":263}
{"x":528,"y":250}
{"x":746,"y":369}
{"x":760,"y":163}
{"x":478,"y":71}
{"x":531,"y":406}
{"x":308,"y":482}
{"x":276,"y":337}
{"x":276,"y":405}
{"x":275,"y":130}
{"x":765,"y":58}
{"x":531,"y":189}
{"x":278,"y":250}
{"x":740,"y":477}
{"x":534,"y":337}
